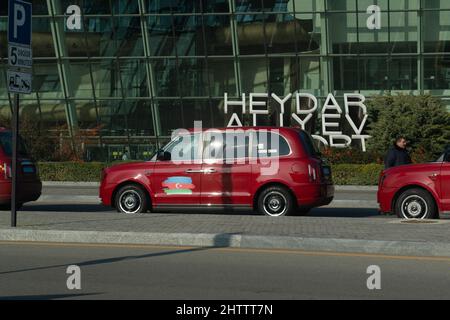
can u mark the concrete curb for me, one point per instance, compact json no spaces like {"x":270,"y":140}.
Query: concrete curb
{"x":97,"y":184}
{"x":398,"y":248}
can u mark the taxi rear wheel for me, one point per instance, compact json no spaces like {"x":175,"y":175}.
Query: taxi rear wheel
{"x":415,"y":204}
{"x":275,"y":201}
{"x":131,"y":199}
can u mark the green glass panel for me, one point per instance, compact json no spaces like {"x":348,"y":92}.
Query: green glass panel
{"x":436,"y":31}
{"x":106,"y":78}
{"x":437,"y":72}
{"x":187,"y":6}
{"x":46,"y":81}
{"x":222,"y":77}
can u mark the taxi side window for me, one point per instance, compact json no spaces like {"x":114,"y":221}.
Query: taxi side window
{"x":213,"y":146}
{"x":236,"y":145}
{"x":228,"y":145}
{"x":184,"y":148}
{"x":269,"y":144}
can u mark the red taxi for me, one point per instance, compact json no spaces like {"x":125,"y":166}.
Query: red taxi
{"x":416,"y":191}
{"x":276,"y":171}
{"x":29,"y":185}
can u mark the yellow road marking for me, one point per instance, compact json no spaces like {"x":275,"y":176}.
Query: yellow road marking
{"x":246,"y":250}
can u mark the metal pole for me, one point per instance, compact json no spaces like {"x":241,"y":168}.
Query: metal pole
{"x":15,"y":130}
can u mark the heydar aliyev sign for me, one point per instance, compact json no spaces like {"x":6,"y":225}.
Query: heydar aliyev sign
{"x":331,"y":110}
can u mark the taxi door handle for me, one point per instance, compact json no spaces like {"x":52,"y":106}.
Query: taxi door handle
{"x":200,"y":171}
{"x":193,"y":171}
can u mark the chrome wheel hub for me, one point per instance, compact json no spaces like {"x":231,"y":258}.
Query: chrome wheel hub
{"x":130,"y":202}
{"x":275,"y":204}
{"x":414,"y":207}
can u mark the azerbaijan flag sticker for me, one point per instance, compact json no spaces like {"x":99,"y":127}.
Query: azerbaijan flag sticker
{"x":178,"y":185}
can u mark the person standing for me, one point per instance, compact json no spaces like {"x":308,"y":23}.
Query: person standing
{"x":126,"y":155}
{"x":397,"y":154}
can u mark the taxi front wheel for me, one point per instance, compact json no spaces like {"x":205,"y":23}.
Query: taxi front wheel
{"x":131,"y":199}
{"x":415,"y":204}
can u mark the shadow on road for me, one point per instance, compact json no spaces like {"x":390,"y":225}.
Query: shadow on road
{"x":317,"y":212}
{"x":66,"y":207}
{"x":219,"y":241}
{"x":345,"y":212}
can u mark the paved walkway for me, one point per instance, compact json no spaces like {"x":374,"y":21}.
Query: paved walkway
{"x":391,"y":229}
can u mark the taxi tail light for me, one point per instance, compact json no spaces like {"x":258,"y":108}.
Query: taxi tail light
{"x":312,"y":172}
{"x":6,"y":171}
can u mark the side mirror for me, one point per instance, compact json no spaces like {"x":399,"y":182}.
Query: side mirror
{"x":163,"y":155}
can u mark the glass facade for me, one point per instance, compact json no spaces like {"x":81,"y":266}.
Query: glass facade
{"x":138,"y":69}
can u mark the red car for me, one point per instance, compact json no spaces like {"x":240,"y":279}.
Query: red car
{"x":416,"y":191}
{"x":29,"y":185}
{"x":277,"y":171}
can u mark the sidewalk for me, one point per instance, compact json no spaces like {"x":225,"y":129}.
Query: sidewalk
{"x":388,"y":236}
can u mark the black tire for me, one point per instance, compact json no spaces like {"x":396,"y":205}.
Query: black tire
{"x":131,"y":199}
{"x":415,"y":204}
{"x":276,"y":201}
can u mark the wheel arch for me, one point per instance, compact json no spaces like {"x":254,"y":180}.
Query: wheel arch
{"x":272,"y":184}
{"x":130,"y":182}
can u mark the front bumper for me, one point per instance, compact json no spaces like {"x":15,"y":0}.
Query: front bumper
{"x":105,"y":193}
{"x":384,"y":199}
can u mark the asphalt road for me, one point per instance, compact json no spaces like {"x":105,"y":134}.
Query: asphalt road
{"x":38,"y":271}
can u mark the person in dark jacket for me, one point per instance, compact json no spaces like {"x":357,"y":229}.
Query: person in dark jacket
{"x":397,"y":155}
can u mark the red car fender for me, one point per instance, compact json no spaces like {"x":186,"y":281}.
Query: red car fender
{"x":427,"y":187}
{"x":141,"y":180}
{"x":264,"y":183}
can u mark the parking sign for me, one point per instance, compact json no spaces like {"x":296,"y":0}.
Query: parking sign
{"x":19,"y":82}
{"x":20,"y":56}
{"x":19,"y":22}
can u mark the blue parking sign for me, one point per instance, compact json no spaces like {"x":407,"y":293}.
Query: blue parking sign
{"x":19,"y":22}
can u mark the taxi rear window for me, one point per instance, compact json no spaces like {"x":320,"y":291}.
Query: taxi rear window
{"x":6,"y":144}
{"x":308,"y":144}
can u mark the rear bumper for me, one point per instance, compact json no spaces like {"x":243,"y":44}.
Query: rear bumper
{"x":26,"y":191}
{"x":315,"y":195}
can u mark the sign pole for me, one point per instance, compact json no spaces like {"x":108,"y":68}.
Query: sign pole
{"x":15,"y":126}
{"x":19,"y":75}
